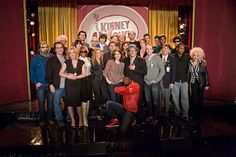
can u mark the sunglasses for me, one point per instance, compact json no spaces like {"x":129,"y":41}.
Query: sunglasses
{"x":176,"y":41}
{"x":83,"y":51}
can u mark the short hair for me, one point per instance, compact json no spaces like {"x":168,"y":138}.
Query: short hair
{"x":111,"y":43}
{"x":163,"y":35}
{"x":131,"y":32}
{"x":60,"y":37}
{"x":77,"y":42}
{"x":143,"y":40}
{"x":197,"y":50}
{"x":180,"y":44}
{"x":56,"y":43}
{"x":103,"y":35}
{"x":146,"y":35}
{"x":156,"y":37}
{"x":177,"y":37}
{"x":82,"y":32}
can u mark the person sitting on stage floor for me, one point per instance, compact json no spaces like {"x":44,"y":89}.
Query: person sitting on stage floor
{"x":130,"y":92}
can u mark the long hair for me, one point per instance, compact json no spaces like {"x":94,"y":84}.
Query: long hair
{"x":95,"y":52}
{"x":72,"y":48}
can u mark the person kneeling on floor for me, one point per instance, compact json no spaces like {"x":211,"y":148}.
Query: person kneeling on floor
{"x":130,"y":93}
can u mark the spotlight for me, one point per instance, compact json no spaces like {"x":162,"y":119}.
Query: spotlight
{"x":32,"y":14}
{"x":181,"y":26}
{"x":33,"y":34}
{"x":32,"y":23}
{"x":32,"y":52}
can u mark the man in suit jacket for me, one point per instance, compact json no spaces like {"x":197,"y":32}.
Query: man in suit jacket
{"x":135,"y":69}
{"x":56,"y":82}
{"x":168,"y":79}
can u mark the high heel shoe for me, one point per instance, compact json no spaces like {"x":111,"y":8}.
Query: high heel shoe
{"x":73,"y":125}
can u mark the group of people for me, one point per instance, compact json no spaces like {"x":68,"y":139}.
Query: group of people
{"x":124,"y":75}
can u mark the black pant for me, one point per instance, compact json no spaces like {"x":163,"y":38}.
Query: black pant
{"x":196,"y":100}
{"x":115,"y":109}
{"x":100,"y":92}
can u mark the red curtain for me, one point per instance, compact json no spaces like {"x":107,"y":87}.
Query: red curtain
{"x":215,"y":32}
{"x":13,"y":79}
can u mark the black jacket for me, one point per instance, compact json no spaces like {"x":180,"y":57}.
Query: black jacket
{"x":203,"y":75}
{"x":169,"y":77}
{"x":137,"y":75}
{"x":52,"y":71}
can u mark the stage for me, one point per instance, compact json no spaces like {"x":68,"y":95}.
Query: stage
{"x":21,"y":134}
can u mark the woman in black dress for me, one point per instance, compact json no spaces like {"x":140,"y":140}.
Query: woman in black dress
{"x":73,"y":70}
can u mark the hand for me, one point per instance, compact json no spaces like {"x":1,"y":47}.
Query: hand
{"x":152,"y":82}
{"x":38,"y":85}
{"x":171,"y":86}
{"x":52,"y":89}
{"x":71,"y":76}
{"x":131,"y":66}
{"x":108,"y":81}
{"x":207,"y":88}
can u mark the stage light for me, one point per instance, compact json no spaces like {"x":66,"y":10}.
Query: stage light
{"x":32,"y":14}
{"x":33,"y":34}
{"x":32,"y":52}
{"x":32,"y":23}
{"x":181,"y":26}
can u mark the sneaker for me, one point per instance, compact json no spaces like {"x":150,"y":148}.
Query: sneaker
{"x":114,"y":123}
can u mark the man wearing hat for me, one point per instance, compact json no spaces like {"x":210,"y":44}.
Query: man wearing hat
{"x":135,"y":69}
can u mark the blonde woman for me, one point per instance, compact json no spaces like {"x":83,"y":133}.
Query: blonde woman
{"x":98,"y":81}
{"x":198,"y":82}
{"x":73,"y":70}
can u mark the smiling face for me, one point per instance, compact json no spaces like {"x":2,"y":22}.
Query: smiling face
{"x":165,"y":50}
{"x":117,"y":55}
{"x":149,"y":49}
{"x":59,"y":49}
{"x":132,"y":52}
{"x":72,"y":53}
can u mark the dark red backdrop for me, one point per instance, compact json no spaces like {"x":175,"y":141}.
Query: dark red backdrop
{"x":215,"y":32}
{"x":13,"y":78}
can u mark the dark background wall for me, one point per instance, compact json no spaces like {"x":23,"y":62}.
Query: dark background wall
{"x":214,"y":31}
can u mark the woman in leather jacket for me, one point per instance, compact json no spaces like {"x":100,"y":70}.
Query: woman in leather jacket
{"x":198,"y":82}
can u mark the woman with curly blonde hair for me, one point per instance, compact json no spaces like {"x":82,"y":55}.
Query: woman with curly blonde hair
{"x":198,"y":82}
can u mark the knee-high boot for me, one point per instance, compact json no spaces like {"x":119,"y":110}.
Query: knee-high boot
{"x":84,"y":113}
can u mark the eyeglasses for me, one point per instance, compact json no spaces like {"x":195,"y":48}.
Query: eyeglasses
{"x":44,"y":47}
{"x":176,"y":41}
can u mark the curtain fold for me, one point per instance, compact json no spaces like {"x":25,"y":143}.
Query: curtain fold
{"x":57,"y":18}
{"x":163,"y":20}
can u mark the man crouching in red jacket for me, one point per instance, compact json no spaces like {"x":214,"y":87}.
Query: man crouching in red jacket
{"x":130,"y":93}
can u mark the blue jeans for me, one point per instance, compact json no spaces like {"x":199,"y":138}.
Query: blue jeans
{"x":59,"y":93}
{"x":113,"y":96}
{"x":152,"y":95}
{"x":43,"y":93}
{"x":115,"y":109}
